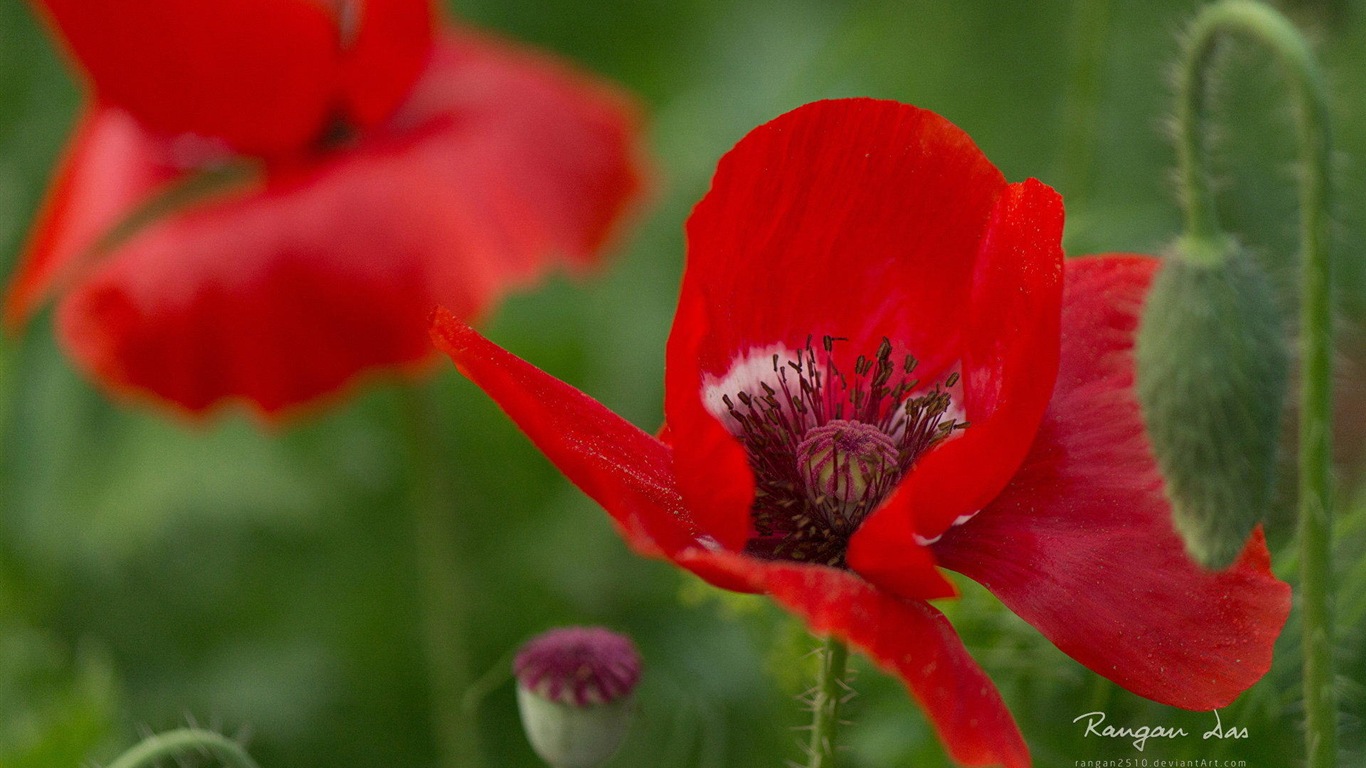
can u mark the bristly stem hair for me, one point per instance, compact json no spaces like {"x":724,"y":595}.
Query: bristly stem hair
{"x":826,"y":698}
{"x":153,"y":750}
{"x":1264,"y":26}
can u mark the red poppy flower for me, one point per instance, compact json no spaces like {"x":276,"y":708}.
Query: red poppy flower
{"x":395,"y":172}
{"x":265,"y":76}
{"x":880,"y":366}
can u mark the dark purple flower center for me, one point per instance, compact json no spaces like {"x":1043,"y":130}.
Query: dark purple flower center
{"x":847,"y":463}
{"x":826,"y":449}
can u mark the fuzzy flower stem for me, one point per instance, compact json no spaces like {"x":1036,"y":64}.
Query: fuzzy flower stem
{"x":825,"y":706}
{"x":1262,"y":25}
{"x":186,"y":741}
{"x":444,"y":585}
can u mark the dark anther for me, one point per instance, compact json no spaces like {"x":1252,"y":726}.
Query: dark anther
{"x":827,"y":448}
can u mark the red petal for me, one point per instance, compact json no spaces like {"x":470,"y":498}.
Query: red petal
{"x":282,"y":294}
{"x":1081,"y":544}
{"x":277,"y":295}
{"x":1010,"y":360}
{"x":392,"y":42}
{"x":884,"y":551}
{"x":259,"y":74}
{"x":544,"y":155}
{"x":622,"y":468}
{"x":713,"y":468}
{"x":111,"y":166}
{"x":854,"y":218}
{"x":908,"y":638}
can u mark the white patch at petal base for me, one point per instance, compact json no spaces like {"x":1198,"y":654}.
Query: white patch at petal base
{"x":955,"y":411}
{"x":747,"y":374}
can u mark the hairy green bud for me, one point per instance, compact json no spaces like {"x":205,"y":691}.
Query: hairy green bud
{"x":1212,"y":365}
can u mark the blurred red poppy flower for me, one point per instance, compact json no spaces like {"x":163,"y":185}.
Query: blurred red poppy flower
{"x":881,"y":365}
{"x":389,"y":169}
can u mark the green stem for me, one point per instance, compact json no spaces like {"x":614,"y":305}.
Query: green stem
{"x":1091,"y":24}
{"x":163,"y":746}
{"x":444,"y":586}
{"x":8,"y":393}
{"x":1268,"y":28}
{"x":12,"y":592}
{"x":825,"y":706}
{"x":492,"y":679}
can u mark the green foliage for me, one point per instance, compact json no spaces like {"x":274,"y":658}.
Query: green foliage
{"x":1212,"y":368}
{"x":59,"y":707}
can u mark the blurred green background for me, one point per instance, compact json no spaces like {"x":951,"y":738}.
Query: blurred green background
{"x":154,"y":573}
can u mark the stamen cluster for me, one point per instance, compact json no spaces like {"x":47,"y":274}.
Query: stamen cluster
{"x":826,"y":449}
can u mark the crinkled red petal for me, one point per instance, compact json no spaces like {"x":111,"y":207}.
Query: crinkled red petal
{"x":281,"y":294}
{"x":111,"y":166}
{"x":545,"y":155}
{"x":1081,"y":544}
{"x":713,"y":469}
{"x":854,"y":218}
{"x":884,"y":551}
{"x":275,"y":295}
{"x":908,"y":638}
{"x":1010,"y":361}
{"x":392,"y":41}
{"x":259,"y":74}
{"x":627,"y":471}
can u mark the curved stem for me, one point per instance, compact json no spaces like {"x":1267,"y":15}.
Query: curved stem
{"x":1266,"y":27}
{"x":163,"y":746}
{"x":1196,"y":178}
{"x":825,"y":705}
{"x":444,"y":586}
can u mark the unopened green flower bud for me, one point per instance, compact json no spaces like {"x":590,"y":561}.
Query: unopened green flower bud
{"x":1212,"y":379}
{"x":574,"y":689}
